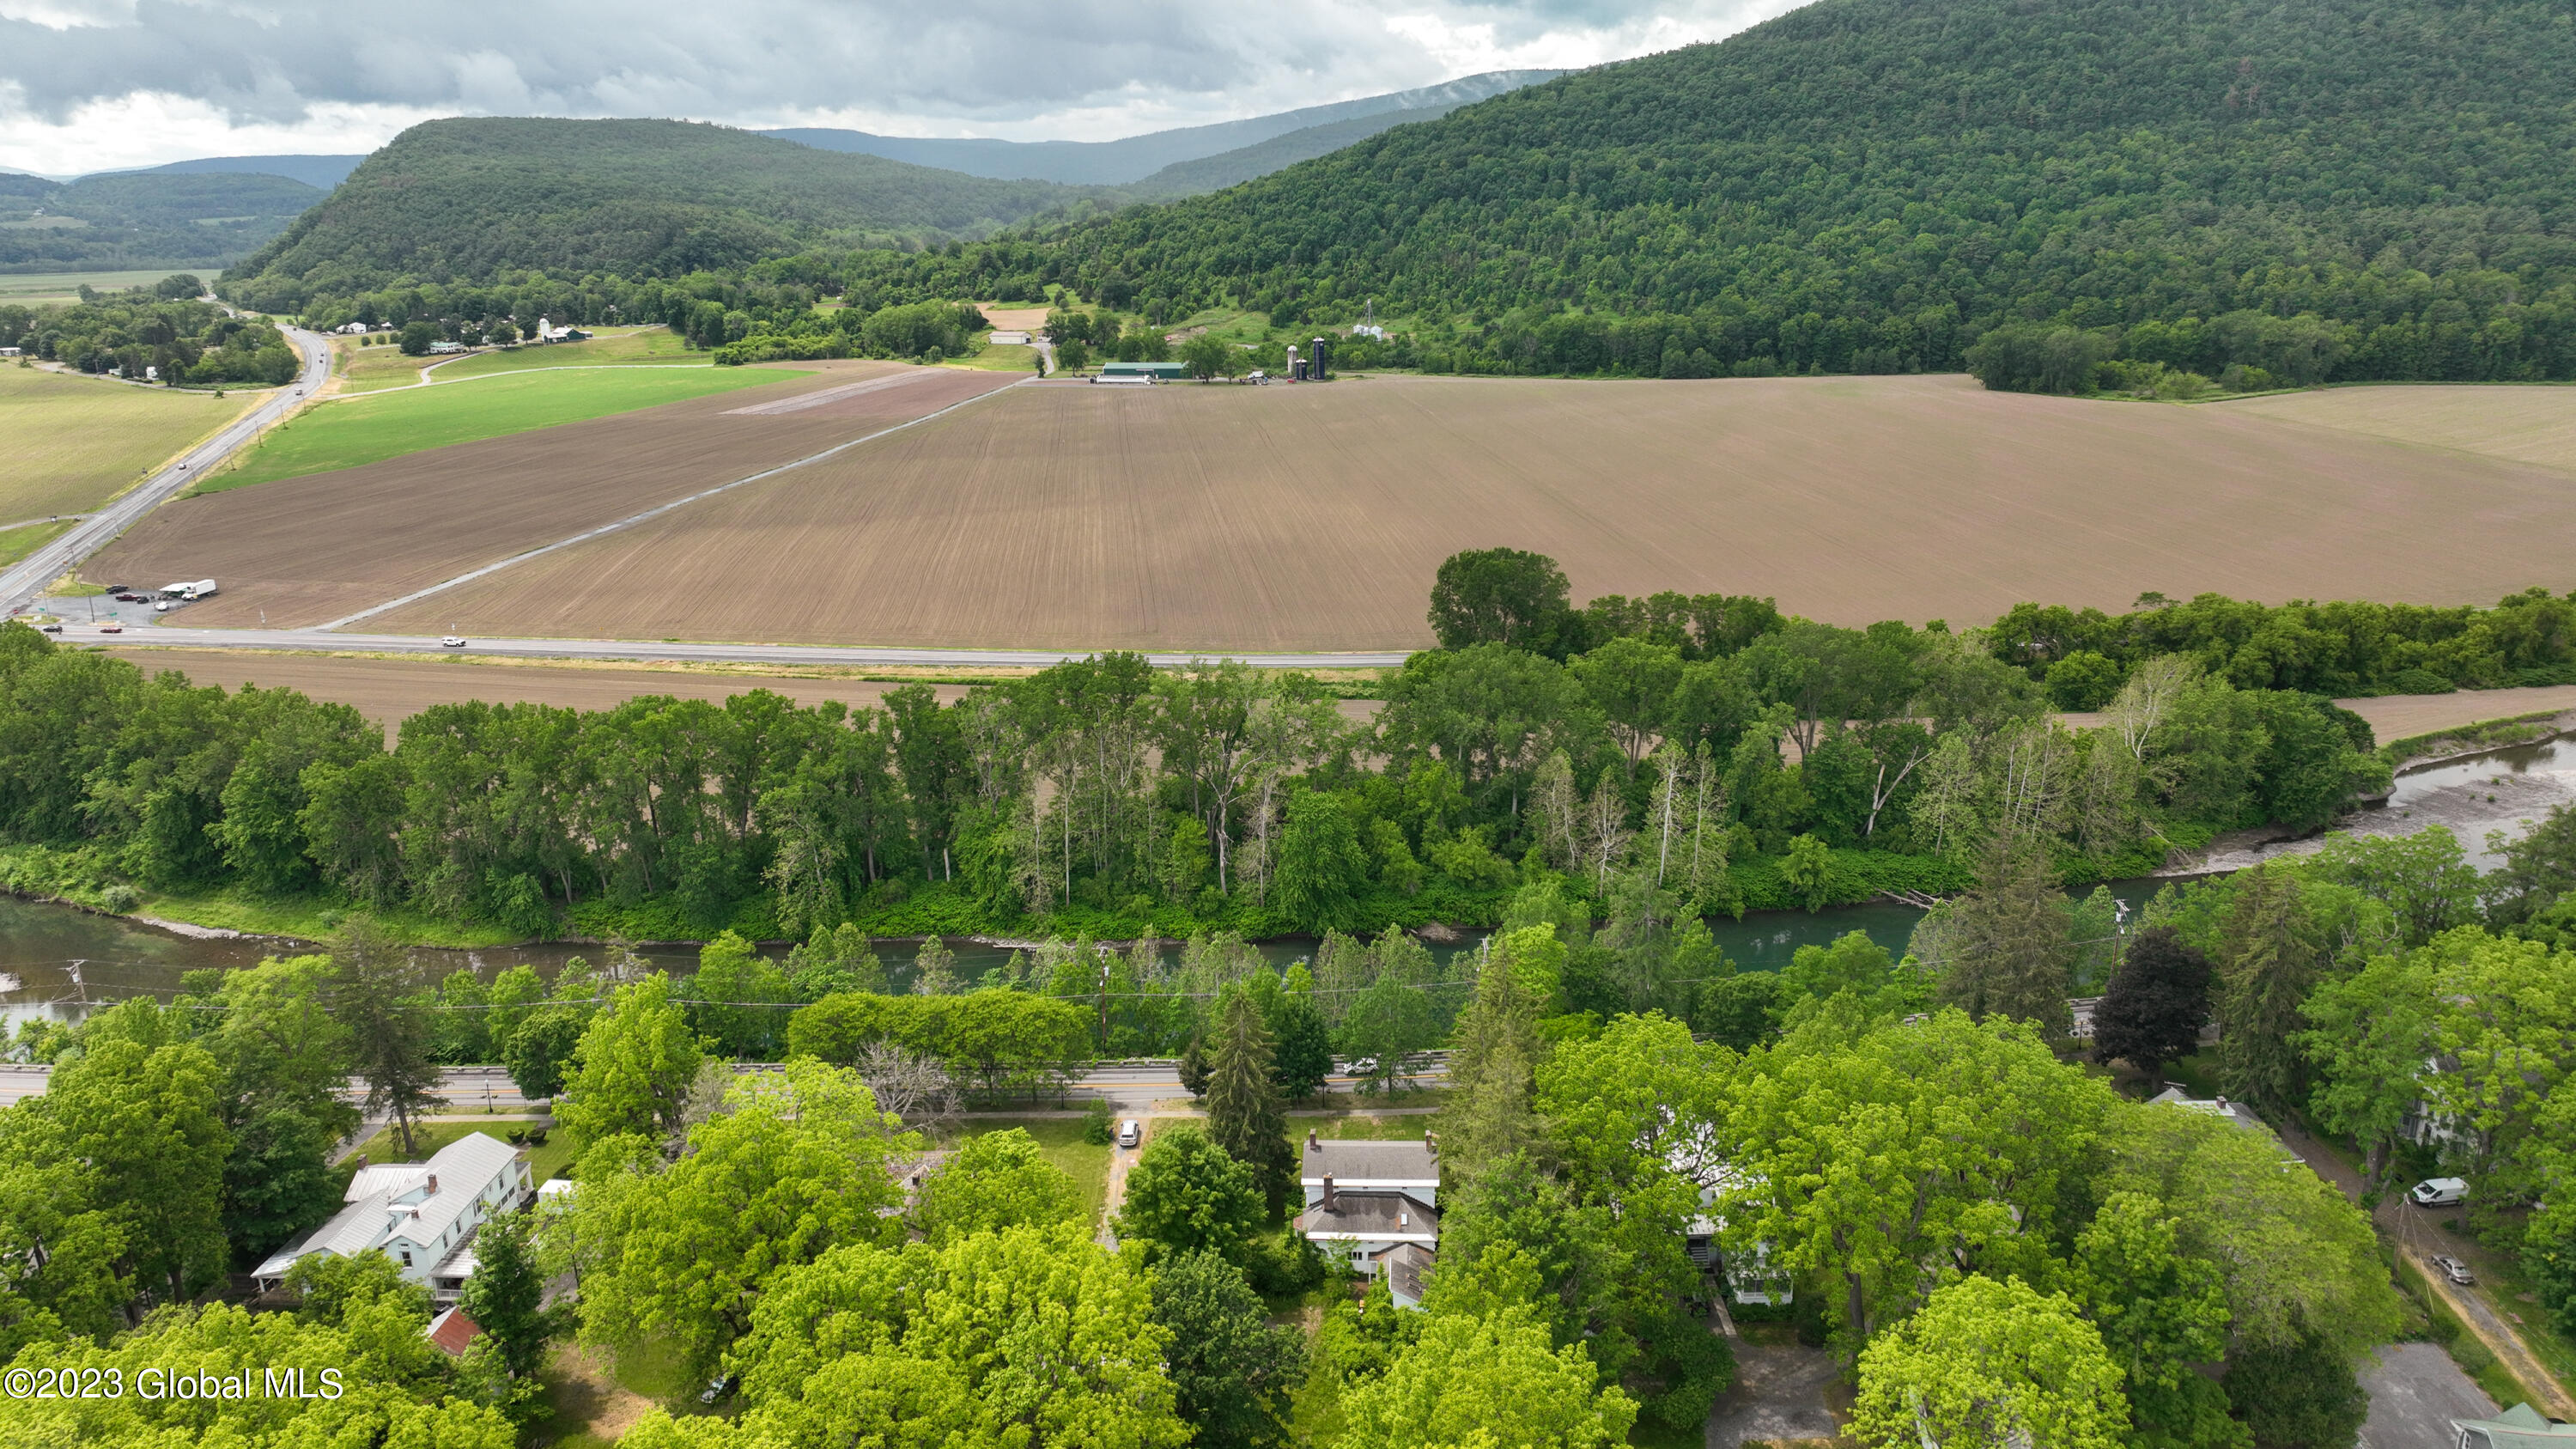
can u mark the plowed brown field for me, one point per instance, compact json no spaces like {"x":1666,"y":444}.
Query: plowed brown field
{"x":307,"y":550}
{"x":1239,"y":518}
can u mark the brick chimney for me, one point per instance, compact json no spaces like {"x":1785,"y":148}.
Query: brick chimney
{"x":1328,"y":1193}
{"x":362,"y":1162}
{"x":1431,"y":1141}
{"x":1312,"y":1145}
{"x":433,"y":1184}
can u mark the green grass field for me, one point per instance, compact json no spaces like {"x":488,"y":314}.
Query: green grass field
{"x":373,"y":369}
{"x":76,"y":442}
{"x":32,"y":288}
{"x":1060,"y":1142}
{"x":17,"y":543}
{"x":371,"y":429}
{"x":1000,"y":357}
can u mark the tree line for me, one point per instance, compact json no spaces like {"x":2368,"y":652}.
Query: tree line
{"x":161,"y":327}
{"x":1725,"y":755}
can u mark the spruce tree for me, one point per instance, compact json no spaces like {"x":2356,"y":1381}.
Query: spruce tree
{"x":1245,"y":1115}
{"x":2008,"y":944}
{"x":2266,"y":967}
{"x":1493,"y":1074}
{"x":1194,"y":1067}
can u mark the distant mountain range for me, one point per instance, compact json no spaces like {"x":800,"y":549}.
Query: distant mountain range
{"x":213,"y":211}
{"x":1138,"y":158}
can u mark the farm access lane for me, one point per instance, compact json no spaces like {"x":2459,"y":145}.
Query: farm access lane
{"x":328,"y":641}
{"x":22,"y":583}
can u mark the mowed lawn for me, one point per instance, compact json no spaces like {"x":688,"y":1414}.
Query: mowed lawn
{"x":376,"y":368}
{"x":372,"y":429}
{"x":73,"y":443}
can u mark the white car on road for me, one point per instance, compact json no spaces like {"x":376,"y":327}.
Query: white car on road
{"x":452,"y":641}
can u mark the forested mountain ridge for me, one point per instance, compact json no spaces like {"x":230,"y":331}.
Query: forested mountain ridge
{"x":143,"y":218}
{"x":1868,"y":184}
{"x":463,"y":200}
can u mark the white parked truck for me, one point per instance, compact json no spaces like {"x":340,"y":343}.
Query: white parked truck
{"x":201,"y":589}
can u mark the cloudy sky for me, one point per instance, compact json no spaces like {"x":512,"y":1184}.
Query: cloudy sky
{"x":92,"y":84}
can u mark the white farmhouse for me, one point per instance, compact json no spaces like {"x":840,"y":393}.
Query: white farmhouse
{"x":1374,"y":1206}
{"x":420,"y":1214}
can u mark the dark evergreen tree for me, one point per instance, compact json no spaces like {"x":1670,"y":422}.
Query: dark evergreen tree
{"x":2156,"y":1004}
{"x":2266,"y":967}
{"x":1194,"y":1067}
{"x":1244,"y":1112}
{"x":2008,"y":948}
{"x":1302,"y":1059}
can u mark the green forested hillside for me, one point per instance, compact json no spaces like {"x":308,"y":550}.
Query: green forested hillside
{"x":463,"y":200}
{"x":143,"y":219}
{"x":1868,"y":184}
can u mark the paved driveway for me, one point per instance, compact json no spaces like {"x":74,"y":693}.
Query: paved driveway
{"x":2415,"y":1393}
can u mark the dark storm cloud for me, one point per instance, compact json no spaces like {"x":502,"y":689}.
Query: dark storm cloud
{"x":961,"y":58}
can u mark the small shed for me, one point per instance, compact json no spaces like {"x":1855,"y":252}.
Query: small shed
{"x":2520,"y":1427}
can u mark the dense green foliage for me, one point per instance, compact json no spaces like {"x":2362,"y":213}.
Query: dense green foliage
{"x":1867,"y":185}
{"x":143,"y":219}
{"x":162,"y":327}
{"x":467,"y":200}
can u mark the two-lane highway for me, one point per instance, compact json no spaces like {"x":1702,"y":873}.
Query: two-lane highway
{"x":28,"y":578}
{"x":333,"y":641}
{"x":470,"y":1089}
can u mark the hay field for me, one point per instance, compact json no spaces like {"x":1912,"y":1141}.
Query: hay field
{"x":383,"y":365}
{"x":36,"y":289}
{"x":76,"y":442}
{"x":2523,"y":423}
{"x":1238,"y":518}
{"x":312,"y":549}
{"x":370,"y":429}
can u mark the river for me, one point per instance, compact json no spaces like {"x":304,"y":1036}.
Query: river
{"x":62,"y":958}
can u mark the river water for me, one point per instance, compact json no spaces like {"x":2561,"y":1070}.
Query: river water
{"x":63,"y":960}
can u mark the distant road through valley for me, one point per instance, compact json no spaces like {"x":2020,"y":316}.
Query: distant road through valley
{"x":21,"y":583}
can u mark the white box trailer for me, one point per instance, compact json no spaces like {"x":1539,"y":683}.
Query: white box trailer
{"x":202,"y":589}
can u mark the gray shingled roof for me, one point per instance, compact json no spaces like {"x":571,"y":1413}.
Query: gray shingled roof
{"x":1408,"y":1160}
{"x":1372,"y":1215}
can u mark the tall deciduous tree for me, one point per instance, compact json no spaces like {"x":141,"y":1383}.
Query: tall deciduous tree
{"x":2156,"y":1003}
{"x":506,"y":1294}
{"x":285,"y":1058}
{"x":794,"y":1167}
{"x":632,"y":1071}
{"x":1188,"y":1194}
{"x":993,"y":1181}
{"x":2161,"y":1314}
{"x":1500,"y":596}
{"x":1491,"y":1378}
{"x":1232,"y":1372}
{"x":1990,"y":1365}
{"x":388,"y":1044}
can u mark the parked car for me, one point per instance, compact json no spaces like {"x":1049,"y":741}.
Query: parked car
{"x":2453,"y":1269}
{"x":2439,"y":1192}
{"x":117,"y":588}
{"x":720,"y":1388}
{"x":1130,"y":1132}
{"x":162,"y":607}
{"x":129,"y":597}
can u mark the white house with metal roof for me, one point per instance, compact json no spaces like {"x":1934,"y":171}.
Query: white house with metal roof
{"x":420,"y":1214}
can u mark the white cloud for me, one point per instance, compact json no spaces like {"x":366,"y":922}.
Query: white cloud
{"x":87,"y":84}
